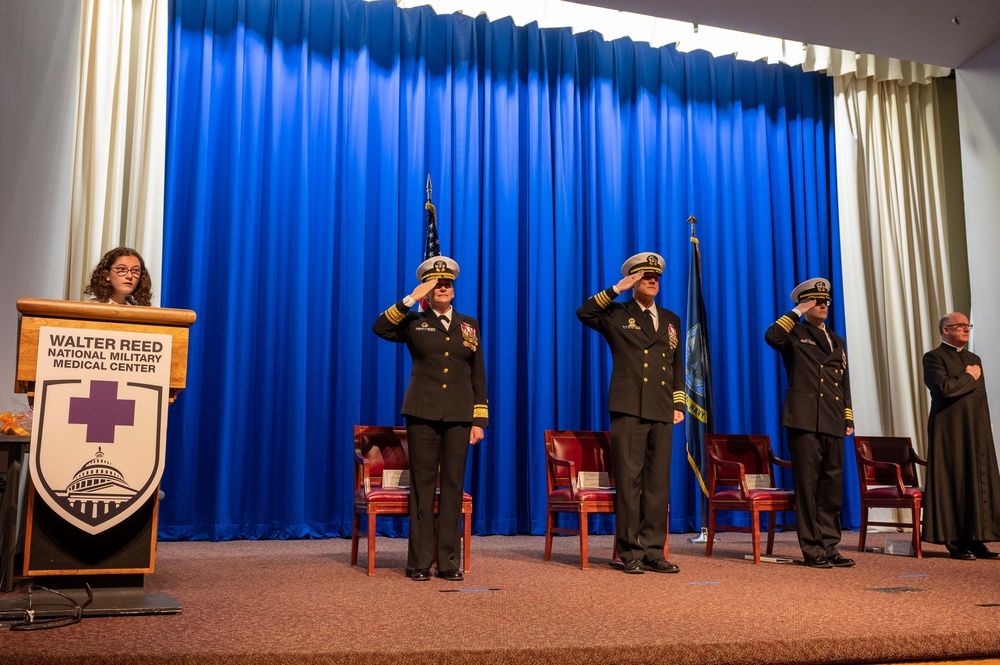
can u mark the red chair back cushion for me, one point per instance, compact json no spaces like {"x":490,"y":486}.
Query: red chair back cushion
{"x":588,"y":451}
{"x":887,"y":449}
{"x":384,"y":450}
{"x":748,"y":451}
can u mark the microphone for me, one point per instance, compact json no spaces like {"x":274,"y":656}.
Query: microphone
{"x":130,"y":299}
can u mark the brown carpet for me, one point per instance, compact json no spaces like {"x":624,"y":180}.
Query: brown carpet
{"x":300,"y":602}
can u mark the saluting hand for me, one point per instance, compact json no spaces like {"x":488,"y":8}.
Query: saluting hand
{"x":475,"y":435}
{"x":423,"y":289}
{"x":804,"y":306}
{"x":627,"y":282}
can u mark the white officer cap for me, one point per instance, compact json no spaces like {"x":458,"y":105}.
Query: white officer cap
{"x":643,"y":262}
{"x":812,"y":289}
{"x":437,"y":267}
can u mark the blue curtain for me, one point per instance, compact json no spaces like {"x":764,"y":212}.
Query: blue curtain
{"x":300,"y":134}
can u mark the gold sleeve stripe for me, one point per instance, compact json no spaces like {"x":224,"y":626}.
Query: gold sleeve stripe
{"x":394,"y":315}
{"x":679,"y":396}
{"x":480,"y":411}
{"x":602,"y":299}
{"x":786,"y":323}
{"x":848,"y":414}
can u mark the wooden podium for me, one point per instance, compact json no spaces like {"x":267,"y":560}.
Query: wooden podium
{"x":53,"y":547}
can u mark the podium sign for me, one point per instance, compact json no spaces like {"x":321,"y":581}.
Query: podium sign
{"x":98,"y":444}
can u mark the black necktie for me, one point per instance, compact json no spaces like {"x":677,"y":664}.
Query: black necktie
{"x":649,"y":327}
{"x":445,"y":320}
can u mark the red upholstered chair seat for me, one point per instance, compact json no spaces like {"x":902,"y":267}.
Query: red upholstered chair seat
{"x":735,"y":496}
{"x":565,"y":495}
{"x":393,"y":496}
{"x":893,"y":493}
{"x":730,"y":459}
{"x":377,"y":449}
{"x":887,"y":478}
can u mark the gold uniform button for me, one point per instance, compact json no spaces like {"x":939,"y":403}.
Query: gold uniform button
{"x":664,"y":369}
{"x":448,"y":339}
{"x":822,"y":380}
{"x":445,"y":354}
{"x":445,"y":370}
{"x":837,"y":398}
{"x":663,"y":383}
{"x":645,"y":351}
{"x":664,"y":354}
{"x":821,"y":394}
{"x":645,"y":364}
{"x":444,"y":385}
{"x":836,"y":384}
{"x":644,"y":379}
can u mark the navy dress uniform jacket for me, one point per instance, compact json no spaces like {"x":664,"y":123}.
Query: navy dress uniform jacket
{"x":647,"y":374}
{"x":448,"y":377}
{"x":818,"y":398}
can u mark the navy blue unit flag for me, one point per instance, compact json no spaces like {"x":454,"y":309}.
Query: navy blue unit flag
{"x":697,"y":372}
{"x":432,"y":247}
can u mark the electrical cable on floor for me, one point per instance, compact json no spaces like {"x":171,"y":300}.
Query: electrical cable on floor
{"x":30,"y":623}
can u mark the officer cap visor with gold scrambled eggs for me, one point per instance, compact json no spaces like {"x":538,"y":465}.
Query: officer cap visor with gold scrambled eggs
{"x":816,"y":288}
{"x":437,"y":267}
{"x":643,"y":262}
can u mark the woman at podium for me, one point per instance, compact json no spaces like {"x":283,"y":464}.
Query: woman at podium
{"x":445,"y":409}
{"x":121,"y":278}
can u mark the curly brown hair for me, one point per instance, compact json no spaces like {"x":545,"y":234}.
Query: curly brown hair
{"x":101,"y":288}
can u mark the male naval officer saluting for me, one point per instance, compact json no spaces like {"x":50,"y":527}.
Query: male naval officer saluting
{"x":818,"y":415}
{"x":445,"y":408}
{"x":646,"y":399}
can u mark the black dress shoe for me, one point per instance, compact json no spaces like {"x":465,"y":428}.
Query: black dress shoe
{"x":817,"y":562}
{"x":451,"y":575}
{"x":634,"y":567}
{"x":420,"y":574}
{"x":963,"y":555}
{"x":660,"y":566}
{"x":839,"y":561}
{"x":980,"y":551}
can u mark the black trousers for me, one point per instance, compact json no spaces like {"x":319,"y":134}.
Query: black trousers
{"x":434,"y":444}
{"x":640,"y":453}
{"x":818,"y":474}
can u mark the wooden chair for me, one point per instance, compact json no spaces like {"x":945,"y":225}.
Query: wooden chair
{"x":887,"y":478}
{"x":567,"y":453}
{"x":376,"y":449}
{"x":731,"y":459}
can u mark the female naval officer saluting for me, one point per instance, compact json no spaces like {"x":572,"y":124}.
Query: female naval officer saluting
{"x":445,"y":409}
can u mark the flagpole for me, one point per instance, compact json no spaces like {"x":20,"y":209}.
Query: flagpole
{"x":703,"y":536}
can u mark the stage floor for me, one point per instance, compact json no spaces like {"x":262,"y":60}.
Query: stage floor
{"x":301,"y":602}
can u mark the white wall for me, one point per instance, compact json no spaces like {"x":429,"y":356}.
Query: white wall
{"x":978,"y":85}
{"x":39,"y":46}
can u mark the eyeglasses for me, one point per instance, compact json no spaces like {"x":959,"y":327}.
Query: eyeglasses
{"x":822,"y":302}
{"x":121,"y":271}
{"x":960,"y":326}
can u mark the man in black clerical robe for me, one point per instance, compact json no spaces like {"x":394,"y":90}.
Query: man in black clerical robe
{"x":962,"y":489}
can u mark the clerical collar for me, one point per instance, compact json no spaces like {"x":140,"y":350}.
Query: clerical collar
{"x":957,"y":348}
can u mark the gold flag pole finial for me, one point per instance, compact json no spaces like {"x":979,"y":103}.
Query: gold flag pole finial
{"x":692,"y":221}
{"x":428,"y":187}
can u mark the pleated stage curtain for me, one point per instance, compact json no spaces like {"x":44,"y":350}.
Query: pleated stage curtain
{"x":300,"y":135}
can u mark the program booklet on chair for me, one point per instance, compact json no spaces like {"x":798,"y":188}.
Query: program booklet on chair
{"x":593,"y":480}
{"x":759,"y":481}
{"x":395,"y":478}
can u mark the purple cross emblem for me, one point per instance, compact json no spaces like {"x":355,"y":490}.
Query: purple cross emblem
{"x":102,"y":411}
